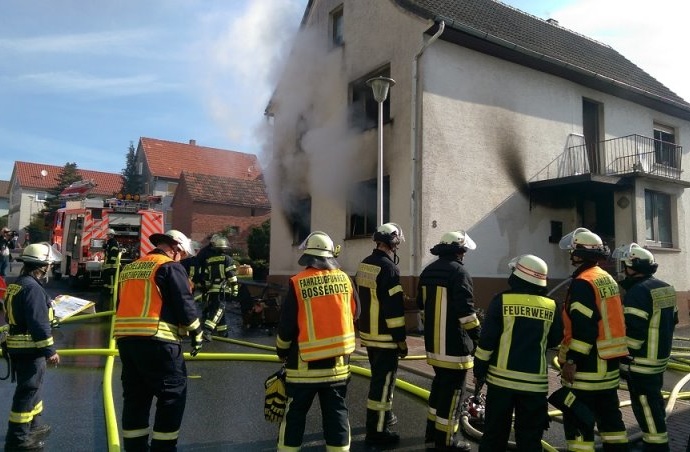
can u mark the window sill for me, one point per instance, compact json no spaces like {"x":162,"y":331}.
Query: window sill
{"x":658,"y":248}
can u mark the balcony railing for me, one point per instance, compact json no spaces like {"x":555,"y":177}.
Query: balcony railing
{"x":629,"y":155}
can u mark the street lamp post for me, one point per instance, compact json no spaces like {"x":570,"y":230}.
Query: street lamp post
{"x":380,"y":85}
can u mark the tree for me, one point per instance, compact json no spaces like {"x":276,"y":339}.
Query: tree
{"x":259,"y":242}
{"x":131,"y":179}
{"x":66,"y":177}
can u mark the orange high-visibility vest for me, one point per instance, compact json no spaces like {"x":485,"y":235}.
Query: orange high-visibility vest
{"x":611,"y":340}
{"x":325,"y":307}
{"x":138,"y":313}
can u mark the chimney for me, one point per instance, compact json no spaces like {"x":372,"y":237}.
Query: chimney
{"x":192,"y":142}
{"x":552,"y":21}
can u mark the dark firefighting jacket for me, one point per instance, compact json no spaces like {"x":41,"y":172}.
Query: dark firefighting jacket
{"x":517,"y":330}
{"x":382,"y":322}
{"x":155,"y":300}
{"x":451,"y":326}
{"x":316,"y":329}
{"x":593,"y":329}
{"x":28,"y":314}
{"x":219,"y":275}
{"x":112,"y":249}
{"x":651,"y":314}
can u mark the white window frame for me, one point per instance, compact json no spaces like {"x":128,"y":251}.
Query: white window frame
{"x":659,"y":208}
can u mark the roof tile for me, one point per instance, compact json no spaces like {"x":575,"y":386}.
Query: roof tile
{"x":226,"y":190}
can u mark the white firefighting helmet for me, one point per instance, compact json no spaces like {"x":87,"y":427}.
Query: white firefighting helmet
{"x":389,"y":233}
{"x":635,"y":257}
{"x":585,"y":244}
{"x":319,"y":244}
{"x":530,"y":268}
{"x":454,"y":242}
{"x":40,"y":254}
{"x":110,"y":232}
{"x":173,"y":237}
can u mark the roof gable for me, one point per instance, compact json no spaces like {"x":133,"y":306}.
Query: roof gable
{"x":28,"y":175}
{"x":168,"y":159}
{"x":225,"y":190}
{"x":547,"y":44}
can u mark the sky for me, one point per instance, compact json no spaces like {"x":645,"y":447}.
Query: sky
{"x":80,"y":80}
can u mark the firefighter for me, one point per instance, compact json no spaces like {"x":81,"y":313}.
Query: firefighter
{"x":316,"y":335}
{"x":156,"y":303}
{"x":30,"y":346}
{"x":451,"y":330}
{"x":220,"y":284}
{"x":519,"y":325}
{"x":110,"y":264}
{"x":651,"y":314}
{"x":382,"y":329}
{"x":593,"y":343}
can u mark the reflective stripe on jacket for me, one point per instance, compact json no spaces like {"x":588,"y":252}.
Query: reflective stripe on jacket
{"x":28,"y":314}
{"x":324,"y":313}
{"x":516,"y":332}
{"x":141,"y":304}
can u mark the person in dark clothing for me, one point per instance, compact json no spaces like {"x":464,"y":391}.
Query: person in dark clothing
{"x":147,"y":329}
{"x":7,"y":243}
{"x":589,"y":354}
{"x":110,"y":264}
{"x":220,"y":285}
{"x":451,"y":330}
{"x":651,"y":315}
{"x":382,"y":329}
{"x":519,"y":326}
{"x":31,"y":346}
{"x":316,"y":336}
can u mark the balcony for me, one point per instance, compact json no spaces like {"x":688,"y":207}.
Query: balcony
{"x":614,"y":162}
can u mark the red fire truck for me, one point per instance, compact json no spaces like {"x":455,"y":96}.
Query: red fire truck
{"x":79,"y":232}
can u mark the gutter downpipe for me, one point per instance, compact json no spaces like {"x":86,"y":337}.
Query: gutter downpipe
{"x":415,"y":200}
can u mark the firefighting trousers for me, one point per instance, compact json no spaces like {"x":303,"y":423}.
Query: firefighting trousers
{"x":649,"y":408}
{"x":334,"y":413}
{"x":27,"y":405}
{"x":604,"y":405}
{"x":151,"y":369}
{"x":384,"y":367}
{"x":531,"y":419}
{"x":445,"y":401}
{"x":214,"y":313}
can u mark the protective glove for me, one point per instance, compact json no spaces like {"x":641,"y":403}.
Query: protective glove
{"x":402,"y":349}
{"x":197,"y":341}
{"x":275,"y":398}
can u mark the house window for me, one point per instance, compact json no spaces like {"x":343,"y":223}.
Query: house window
{"x":665,"y":150}
{"x":657,"y":211}
{"x":41,"y":196}
{"x":361,"y":207}
{"x":170,"y":188}
{"x":364,"y":110}
{"x":140,"y":168}
{"x":337,"y":39}
{"x":300,"y":220}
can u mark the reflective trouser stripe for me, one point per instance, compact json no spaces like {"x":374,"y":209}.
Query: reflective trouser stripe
{"x":165,"y":436}
{"x":580,"y":446}
{"x":135,"y":433}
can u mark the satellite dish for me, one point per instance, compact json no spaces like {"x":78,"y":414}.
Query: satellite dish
{"x":44,"y":173}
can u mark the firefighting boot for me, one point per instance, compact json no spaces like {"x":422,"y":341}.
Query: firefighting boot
{"x":40,"y":432}
{"x":382,"y":439}
{"x":29,"y":444}
{"x":456,"y":445}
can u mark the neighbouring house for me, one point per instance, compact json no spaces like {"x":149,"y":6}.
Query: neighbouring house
{"x":205,"y":204}
{"x":501,"y":123}
{"x":4,"y":198}
{"x":160,"y":164}
{"x":31,"y":184}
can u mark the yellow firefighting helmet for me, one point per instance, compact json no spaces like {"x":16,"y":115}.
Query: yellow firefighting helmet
{"x":635,"y":257}
{"x":530,"y":268}
{"x":40,"y":254}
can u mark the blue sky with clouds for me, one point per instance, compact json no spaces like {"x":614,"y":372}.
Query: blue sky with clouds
{"x":82,"y":79}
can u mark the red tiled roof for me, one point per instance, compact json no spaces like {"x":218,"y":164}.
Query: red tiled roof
{"x":226,"y":190}
{"x":168,"y":159}
{"x":28,"y":175}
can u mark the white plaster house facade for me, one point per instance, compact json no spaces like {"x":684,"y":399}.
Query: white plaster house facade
{"x":500,"y":123}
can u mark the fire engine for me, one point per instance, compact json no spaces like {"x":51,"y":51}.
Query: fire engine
{"x":79,"y":232}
